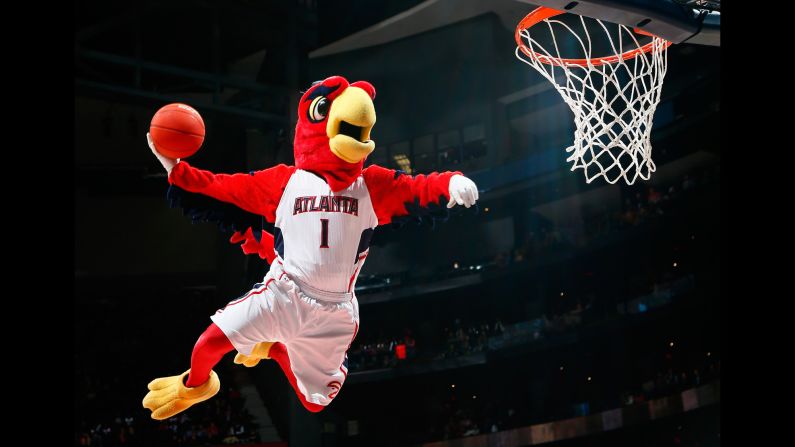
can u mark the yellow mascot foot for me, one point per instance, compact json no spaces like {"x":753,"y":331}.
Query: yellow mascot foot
{"x":168,"y":396}
{"x":260,"y":351}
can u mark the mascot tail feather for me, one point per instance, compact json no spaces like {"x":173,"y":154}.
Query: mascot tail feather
{"x":262,"y":246}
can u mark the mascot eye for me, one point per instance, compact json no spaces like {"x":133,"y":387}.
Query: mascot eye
{"x":318,"y":110}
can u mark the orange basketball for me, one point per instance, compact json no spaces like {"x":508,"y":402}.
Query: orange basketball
{"x":177,"y":130}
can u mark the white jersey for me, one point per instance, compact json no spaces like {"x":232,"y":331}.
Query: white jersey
{"x":321,"y":237}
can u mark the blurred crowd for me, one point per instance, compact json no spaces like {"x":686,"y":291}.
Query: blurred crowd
{"x":465,"y":416}
{"x":642,"y":203}
{"x":118,"y":358}
{"x":460,"y":338}
{"x":382,"y":352}
{"x":673,"y":379}
{"x":390,"y":351}
{"x":219,"y":421}
{"x":465,"y":339}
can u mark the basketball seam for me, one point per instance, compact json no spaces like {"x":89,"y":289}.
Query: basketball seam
{"x":177,"y":130}
{"x":198,"y":119}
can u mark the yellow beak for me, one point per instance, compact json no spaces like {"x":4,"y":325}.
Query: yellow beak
{"x":351,"y":118}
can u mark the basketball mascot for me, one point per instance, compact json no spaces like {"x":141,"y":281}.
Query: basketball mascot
{"x":304,"y":314}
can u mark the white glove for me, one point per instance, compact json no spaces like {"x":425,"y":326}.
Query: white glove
{"x":167,"y":163}
{"x":463,"y":191}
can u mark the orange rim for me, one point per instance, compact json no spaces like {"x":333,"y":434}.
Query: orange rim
{"x":542,"y":13}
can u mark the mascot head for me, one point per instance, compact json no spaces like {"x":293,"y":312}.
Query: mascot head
{"x":332,"y":137}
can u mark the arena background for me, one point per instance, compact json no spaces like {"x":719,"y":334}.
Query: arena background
{"x":561,"y":312}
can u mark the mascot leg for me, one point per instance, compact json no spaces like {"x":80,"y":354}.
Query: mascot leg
{"x":168,"y":396}
{"x":260,"y":351}
{"x":278,"y":352}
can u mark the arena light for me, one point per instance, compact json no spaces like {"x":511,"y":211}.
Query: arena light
{"x":403,"y":162}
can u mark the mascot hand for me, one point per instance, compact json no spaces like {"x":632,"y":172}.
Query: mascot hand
{"x":463,"y":191}
{"x":168,"y":163}
{"x":259,"y":352}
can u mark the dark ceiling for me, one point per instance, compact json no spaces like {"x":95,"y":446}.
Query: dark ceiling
{"x":210,"y":34}
{"x":200,"y":35}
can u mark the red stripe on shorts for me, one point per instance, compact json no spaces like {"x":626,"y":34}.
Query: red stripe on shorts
{"x":257,"y":292}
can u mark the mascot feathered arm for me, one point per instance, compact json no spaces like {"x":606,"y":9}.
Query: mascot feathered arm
{"x":237,"y":202}
{"x":257,"y":192}
{"x":398,"y":197}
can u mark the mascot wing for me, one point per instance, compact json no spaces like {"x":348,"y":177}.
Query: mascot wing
{"x":241,"y":203}
{"x":248,"y":228}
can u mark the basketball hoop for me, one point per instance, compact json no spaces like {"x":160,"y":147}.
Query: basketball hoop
{"x":613,"y":97}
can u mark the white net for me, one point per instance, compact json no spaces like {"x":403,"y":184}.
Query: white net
{"x":613,"y":98}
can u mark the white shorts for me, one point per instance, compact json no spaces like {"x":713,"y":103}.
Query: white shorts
{"x":316,"y":333}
